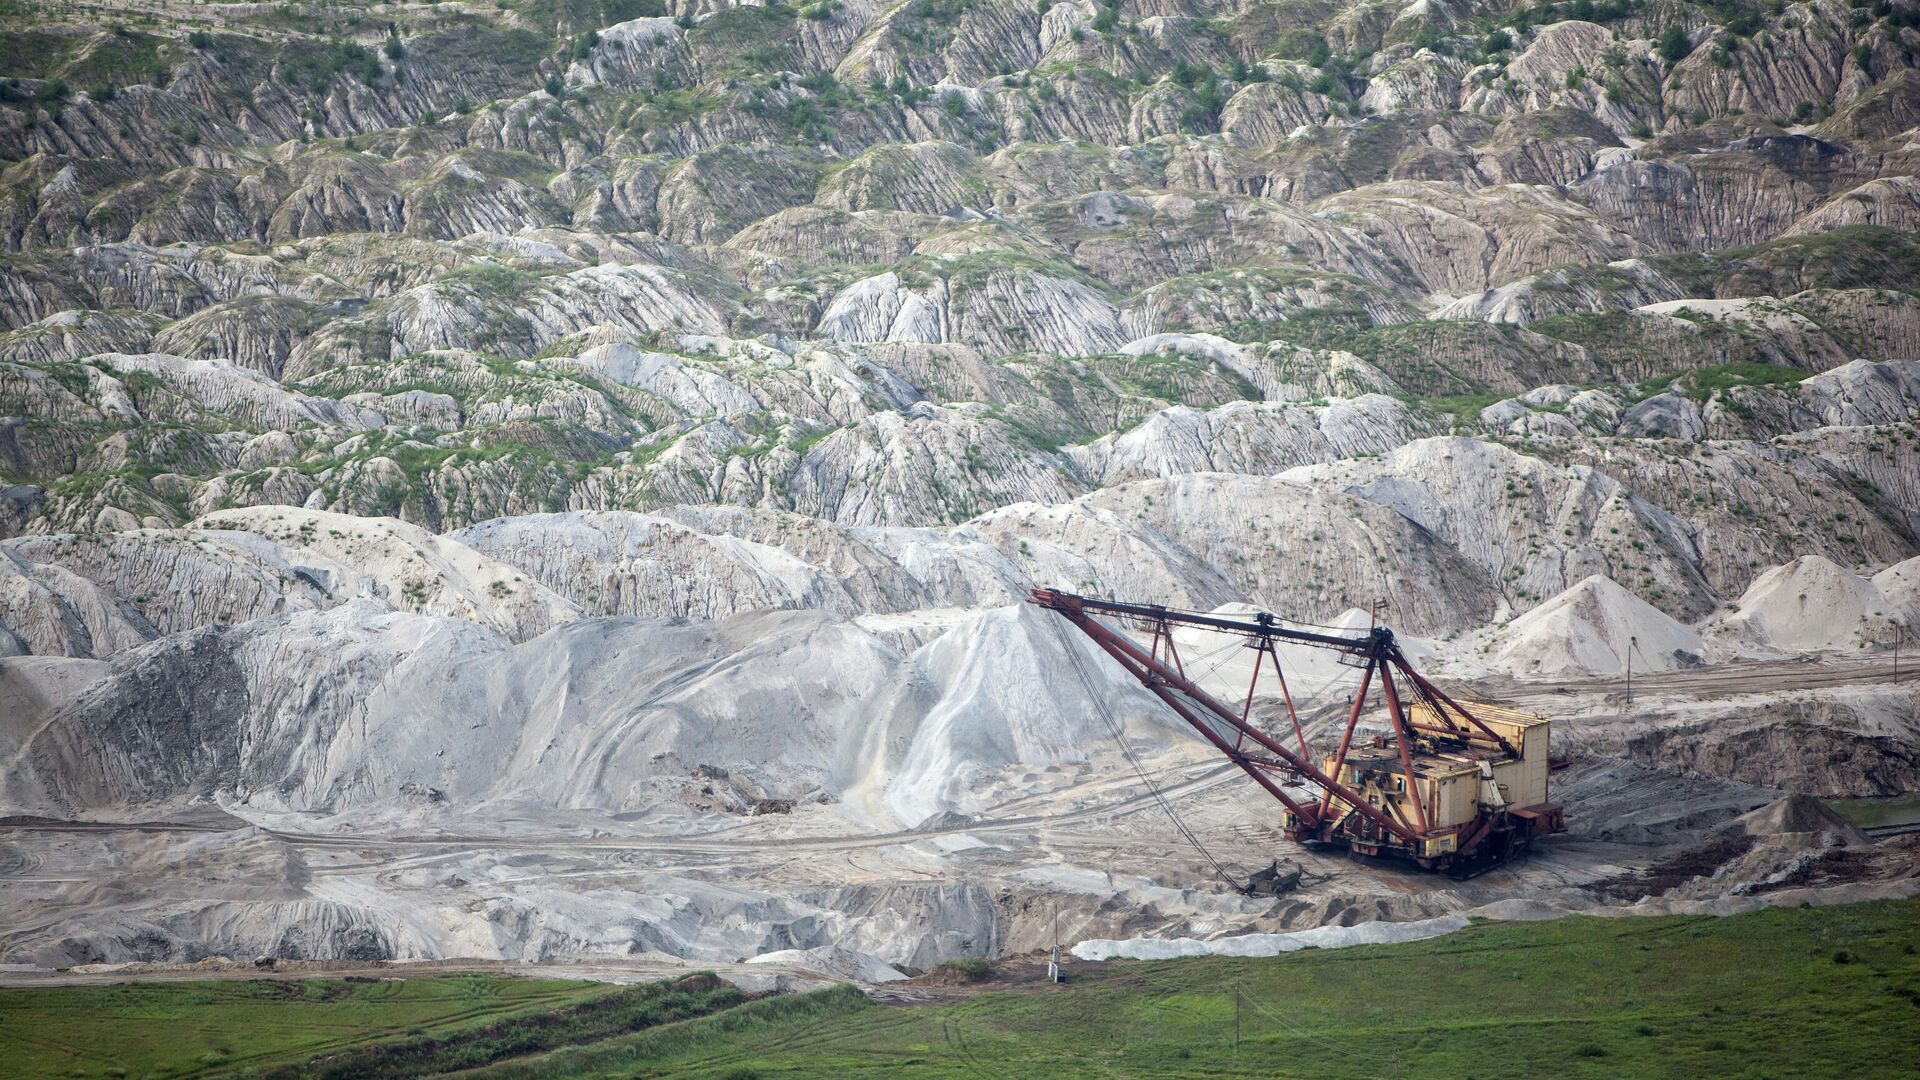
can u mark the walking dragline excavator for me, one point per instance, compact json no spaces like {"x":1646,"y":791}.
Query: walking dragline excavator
{"x":1456,"y":786}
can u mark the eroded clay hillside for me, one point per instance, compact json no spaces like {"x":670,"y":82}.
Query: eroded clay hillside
{"x":648,"y":408}
{"x":907,"y":265}
{"x":904,"y":264}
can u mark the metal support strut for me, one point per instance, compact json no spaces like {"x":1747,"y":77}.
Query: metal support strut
{"x":1206,"y":715}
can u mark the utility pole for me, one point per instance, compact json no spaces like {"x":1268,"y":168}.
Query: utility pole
{"x":1236,"y":1020}
{"x":1053,"y":959}
{"x":1633,"y":642}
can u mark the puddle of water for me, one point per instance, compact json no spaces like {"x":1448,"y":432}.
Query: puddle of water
{"x":1885,"y":810}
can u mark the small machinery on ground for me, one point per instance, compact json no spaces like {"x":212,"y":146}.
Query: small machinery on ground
{"x":1455,"y":786}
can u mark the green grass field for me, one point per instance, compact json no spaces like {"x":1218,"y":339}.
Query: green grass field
{"x":1829,"y":992}
{"x":214,"y":1028}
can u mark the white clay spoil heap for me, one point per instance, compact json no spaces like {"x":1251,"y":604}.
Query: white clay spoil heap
{"x":362,"y":709}
{"x":1798,"y":814}
{"x":1320,"y":937}
{"x":406,"y":566}
{"x":1808,"y":605}
{"x":835,"y":963}
{"x":1591,"y":628}
{"x":1899,"y":585}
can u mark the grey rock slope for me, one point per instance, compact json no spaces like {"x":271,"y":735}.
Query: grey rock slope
{"x":360,"y":708}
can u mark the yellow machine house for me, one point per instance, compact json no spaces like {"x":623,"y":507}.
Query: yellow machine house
{"x":1457,"y":784}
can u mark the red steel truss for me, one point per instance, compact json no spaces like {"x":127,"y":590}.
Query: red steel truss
{"x":1159,"y":667}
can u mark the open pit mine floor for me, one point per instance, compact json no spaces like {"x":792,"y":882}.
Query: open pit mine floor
{"x":1744,"y":995}
{"x":1087,"y":851}
{"x":1098,"y":849}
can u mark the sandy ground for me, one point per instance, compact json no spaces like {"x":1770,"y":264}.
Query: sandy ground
{"x":1088,"y":849}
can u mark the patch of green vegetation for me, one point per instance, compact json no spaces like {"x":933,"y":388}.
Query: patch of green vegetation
{"x":146,"y":1029}
{"x":1437,"y":358}
{"x":970,"y":968}
{"x":1317,"y":329}
{"x":492,"y":281}
{"x":1463,"y":407}
{"x":1264,"y":277}
{"x":930,"y":22}
{"x":1201,"y":114}
{"x":742,"y":42}
{"x":122,"y":58}
{"x":1586,"y":328}
{"x":645,"y":454}
{"x":312,"y":65}
{"x":506,"y":54}
{"x":706,"y":1041}
{"x":1674,"y":45}
{"x":1579,"y":997}
{"x":580,"y":16}
{"x":1603,"y":278}
{"x":970,"y":270}
{"x":812,"y":118}
{"x":1085,"y":72}
{"x":1854,"y":257}
{"x":1304,"y":44}
{"x":1173,"y":378}
{"x":1023,"y":431}
{"x":801,"y":443}
{"x":665,"y":108}
{"x":631,"y":1009}
{"x":1701,"y":383}
{"x":575,"y":18}
{"x":1498,"y":21}
{"x":33,"y":54}
{"x":1637,"y":348}
{"x":511,"y":164}
{"x":550,"y":445}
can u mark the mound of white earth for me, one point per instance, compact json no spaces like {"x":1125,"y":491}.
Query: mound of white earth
{"x":49,"y":610}
{"x":1900,"y":585}
{"x":406,"y":566}
{"x":1018,"y":685}
{"x":1808,"y":605}
{"x":363,"y":710}
{"x":1536,"y":526}
{"x":834,"y":962}
{"x":1320,"y":937}
{"x":624,"y":563}
{"x":1596,"y":627}
{"x":1798,"y":814}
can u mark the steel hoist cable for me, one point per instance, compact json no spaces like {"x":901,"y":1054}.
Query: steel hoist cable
{"x":1119,"y":737}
